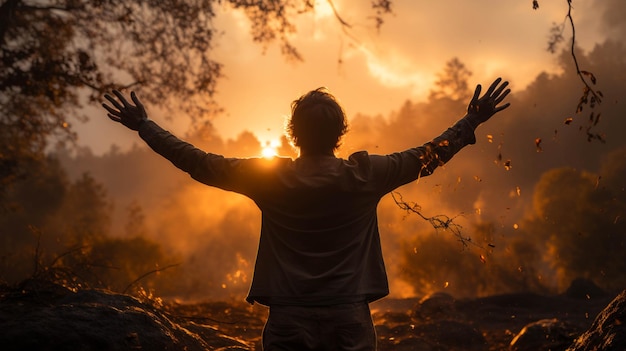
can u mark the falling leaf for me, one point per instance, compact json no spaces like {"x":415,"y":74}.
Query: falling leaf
{"x":568,"y":121}
{"x":477,"y":178}
{"x":483,"y":259}
{"x":499,"y":158}
{"x":490,"y":138}
{"x":507,"y":165}
{"x":518,"y":191}
{"x":515,"y":226}
{"x":538,"y":144}
{"x":446,"y":284}
{"x":479,"y":211}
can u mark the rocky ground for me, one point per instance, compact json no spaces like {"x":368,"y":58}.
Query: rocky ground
{"x":44,"y":316}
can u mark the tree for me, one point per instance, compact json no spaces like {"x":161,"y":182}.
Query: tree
{"x":453,"y":82}
{"x":578,"y":218}
{"x":54,"y":53}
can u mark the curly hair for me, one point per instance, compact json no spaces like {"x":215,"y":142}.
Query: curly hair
{"x":317,"y":122}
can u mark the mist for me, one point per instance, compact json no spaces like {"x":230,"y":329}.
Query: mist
{"x":489,"y":190}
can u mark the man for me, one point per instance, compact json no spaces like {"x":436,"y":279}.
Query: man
{"x":319,"y":262}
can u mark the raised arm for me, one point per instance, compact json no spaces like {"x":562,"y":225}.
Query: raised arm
{"x":480,"y":109}
{"x":208,"y":168}
{"x":406,"y":166}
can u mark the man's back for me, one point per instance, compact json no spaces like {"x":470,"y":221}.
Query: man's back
{"x":319,"y":242}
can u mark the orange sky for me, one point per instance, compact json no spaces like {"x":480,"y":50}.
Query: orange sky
{"x":379,"y":70}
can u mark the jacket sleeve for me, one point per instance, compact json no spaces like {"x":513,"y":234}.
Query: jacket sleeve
{"x":208,"y":168}
{"x":403,"y":167}
{"x":441,"y":149}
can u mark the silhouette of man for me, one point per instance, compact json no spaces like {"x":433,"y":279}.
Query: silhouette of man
{"x":319,"y":262}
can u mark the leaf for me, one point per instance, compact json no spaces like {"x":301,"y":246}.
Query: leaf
{"x":538,"y":144}
{"x":507,"y":165}
{"x":568,"y":121}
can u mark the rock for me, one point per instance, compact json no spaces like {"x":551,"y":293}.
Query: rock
{"x":451,"y":335}
{"x":41,"y":315}
{"x":412,"y":344}
{"x":436,"y":305}
{"x":544,"y":335}
{"x":608,"y":331}
{"x":582,"y":288}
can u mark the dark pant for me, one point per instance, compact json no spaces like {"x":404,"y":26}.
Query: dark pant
{"x":346,"y":327}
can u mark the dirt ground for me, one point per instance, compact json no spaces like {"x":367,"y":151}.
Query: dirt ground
{"x":434,"y":323}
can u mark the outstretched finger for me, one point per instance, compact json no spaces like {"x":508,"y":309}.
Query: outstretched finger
{"x":114,"y":118}
{"x":113,"y":101}
{"x":500,"y":88}
{"x":501,"y":97}
{"x":121,"y":97}
{"x":136,"y":100}
{"x":493,"y":86}
{"x":477,"y":92}
{"x":111,"y":110}
{"x":502,"y":107}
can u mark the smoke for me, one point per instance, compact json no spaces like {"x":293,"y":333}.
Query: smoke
{"x":611,"y":20}
{"x":488,"y":188}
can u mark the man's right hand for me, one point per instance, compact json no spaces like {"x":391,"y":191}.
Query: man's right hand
{"x":125,"y":113}
{"x":481,"y":109}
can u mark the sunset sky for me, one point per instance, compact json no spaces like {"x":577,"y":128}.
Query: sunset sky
{"x":378,"y":70}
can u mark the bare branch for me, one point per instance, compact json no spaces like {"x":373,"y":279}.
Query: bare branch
{"x":439,"y":222}
{"x":341,"y":20}
{"x":590,"y":96}
{"x":147,"y":274}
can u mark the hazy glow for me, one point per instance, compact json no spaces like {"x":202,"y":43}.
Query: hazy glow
{"x":397,"y":71}
{"x":270,"y":149}
{"x":382,"y":79}
{"x":323,"y":9}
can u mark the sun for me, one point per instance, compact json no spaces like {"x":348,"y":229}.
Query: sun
{"x":323,"y":9}
{"x":270,"y":149}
